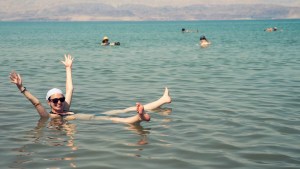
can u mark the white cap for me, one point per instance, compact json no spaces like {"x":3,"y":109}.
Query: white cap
{"x":52,"y":92}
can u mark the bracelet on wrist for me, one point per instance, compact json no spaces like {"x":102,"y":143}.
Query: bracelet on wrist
{"x":23,"y":90}
{"x":36,"y":104}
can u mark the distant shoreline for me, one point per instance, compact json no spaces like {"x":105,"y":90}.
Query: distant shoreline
{"x":131,"y":12}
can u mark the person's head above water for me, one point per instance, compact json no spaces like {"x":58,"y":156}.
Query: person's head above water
{"x":105,"y":39}
{"x":52,"y":92}
{"x":203,"y":37}
{"x":56,"y":100}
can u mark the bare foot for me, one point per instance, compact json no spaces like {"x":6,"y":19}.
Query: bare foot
{"x":166,"y":96}
{"x":140,"y":110}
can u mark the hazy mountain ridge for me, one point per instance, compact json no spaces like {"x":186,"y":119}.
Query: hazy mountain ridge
{"x":104,"y":12}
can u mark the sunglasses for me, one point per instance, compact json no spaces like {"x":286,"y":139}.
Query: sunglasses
{"x":57,"y":99}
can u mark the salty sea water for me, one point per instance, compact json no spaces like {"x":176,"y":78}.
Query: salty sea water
{"x":235,"y":104}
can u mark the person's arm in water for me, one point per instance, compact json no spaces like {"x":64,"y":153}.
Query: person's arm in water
{"x":17,"y":80}
{"x":69,"y":82}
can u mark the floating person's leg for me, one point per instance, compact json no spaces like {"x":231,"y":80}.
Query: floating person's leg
{"x":81,"y":116}
{"x":161,"y":101}
{"x":150,"y":106}
{"x":139,"y":117}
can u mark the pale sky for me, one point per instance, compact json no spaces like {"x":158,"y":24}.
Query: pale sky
{"x":191,"y":2}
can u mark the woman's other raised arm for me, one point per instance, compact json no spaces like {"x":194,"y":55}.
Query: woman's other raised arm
{"x":69,"y":82}
{"x":17,"y":80}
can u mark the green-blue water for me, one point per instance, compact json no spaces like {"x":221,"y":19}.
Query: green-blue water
{"x":236,"y":104}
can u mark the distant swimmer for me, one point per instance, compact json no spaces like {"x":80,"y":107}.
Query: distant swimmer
{"x":274,"y":29}
{"x":183,"y":30}
{"x":105,"y":42}
{"x":204,"y":42}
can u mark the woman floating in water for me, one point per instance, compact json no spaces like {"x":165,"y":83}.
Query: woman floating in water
{"x":60,"y":103}
{"x":105,"y":42}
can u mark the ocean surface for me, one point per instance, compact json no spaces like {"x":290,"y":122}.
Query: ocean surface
{"x":235,"y":104}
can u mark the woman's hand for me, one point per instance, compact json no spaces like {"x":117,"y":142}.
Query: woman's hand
{"x":68,"y":61}
{"x":16,"y":79}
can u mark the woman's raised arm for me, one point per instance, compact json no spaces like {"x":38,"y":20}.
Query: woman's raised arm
{"x":17,"y":80}
{"x":69,"y":82}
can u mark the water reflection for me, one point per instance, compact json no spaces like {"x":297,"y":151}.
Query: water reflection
{"x":145,"y":132}
{"x":59,"y":133}
{"x":69,"y":130}
{"x":138,"y":129}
